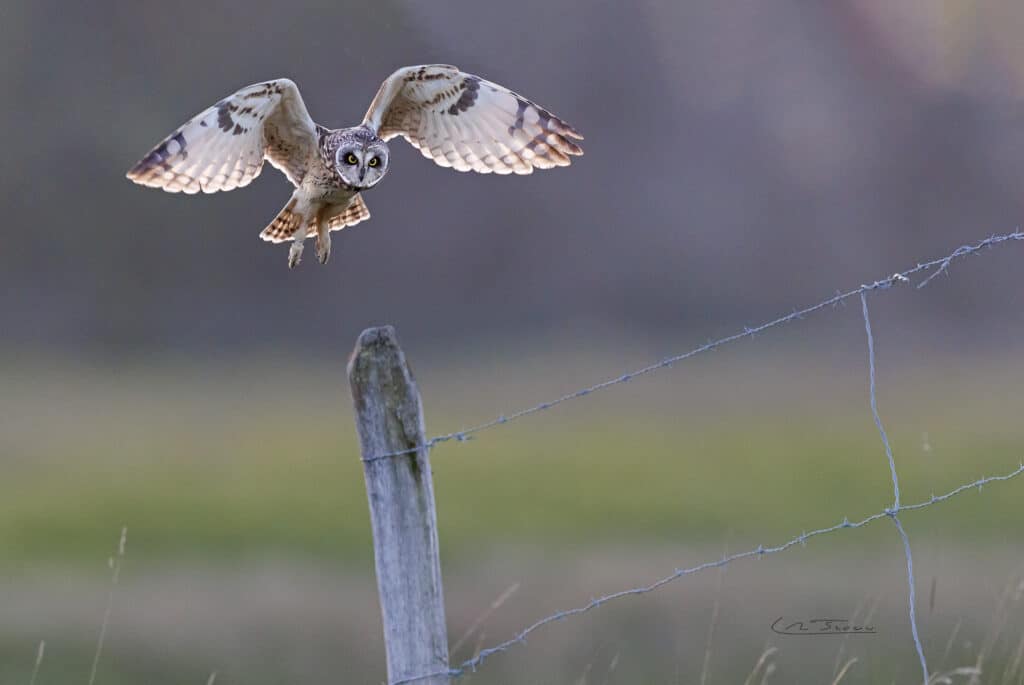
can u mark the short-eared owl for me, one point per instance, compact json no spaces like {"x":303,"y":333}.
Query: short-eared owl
{"x":456,"y":119}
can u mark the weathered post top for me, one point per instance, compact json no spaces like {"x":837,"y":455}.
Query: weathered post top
{"x":400,"y":490}
{"x":384,"y":392}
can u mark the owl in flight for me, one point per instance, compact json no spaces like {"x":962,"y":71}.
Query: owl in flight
{"x":454,"y":118}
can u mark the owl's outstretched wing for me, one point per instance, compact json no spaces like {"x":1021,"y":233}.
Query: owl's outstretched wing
{"x":467,"y":123}
{"x":223,"y":147}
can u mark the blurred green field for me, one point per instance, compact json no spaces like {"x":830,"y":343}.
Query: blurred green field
{"x":248,"y":550}
{"x":262,"y":459}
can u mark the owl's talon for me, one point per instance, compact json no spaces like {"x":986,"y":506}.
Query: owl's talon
{"x":294,"y":255}
{"x":323,"y":248}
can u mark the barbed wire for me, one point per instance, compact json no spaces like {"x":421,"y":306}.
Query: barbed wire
{"x":912,"y":589}
{"x":940,"y":265}
{"x":470,"y":665}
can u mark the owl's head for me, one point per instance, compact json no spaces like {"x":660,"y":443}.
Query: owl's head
{"x":361,"y":158}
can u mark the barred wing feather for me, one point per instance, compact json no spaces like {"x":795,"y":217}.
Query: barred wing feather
{"x":223,"y":147}
{"x":468,"y":123}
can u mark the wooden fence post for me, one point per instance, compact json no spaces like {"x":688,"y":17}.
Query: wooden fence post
{"x":389,"y":418}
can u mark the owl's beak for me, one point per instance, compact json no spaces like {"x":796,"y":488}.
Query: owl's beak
{"x":362,"y":173}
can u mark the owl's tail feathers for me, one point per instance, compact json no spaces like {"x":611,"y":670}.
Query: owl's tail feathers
{"x":285,"y":224}
{"x":352,"y":214}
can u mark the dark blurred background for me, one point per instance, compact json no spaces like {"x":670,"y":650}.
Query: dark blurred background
{"x":740,"y":158}
{"x":161,"y":368}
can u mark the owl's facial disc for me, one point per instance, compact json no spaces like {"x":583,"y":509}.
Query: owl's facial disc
{"x":362,"y":164}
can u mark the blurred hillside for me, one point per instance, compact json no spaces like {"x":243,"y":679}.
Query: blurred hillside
{"x":741,"y":159}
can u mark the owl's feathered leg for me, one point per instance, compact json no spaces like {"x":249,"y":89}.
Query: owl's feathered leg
{"x":295,"y":251}
{"x":323,"y":245}
{"x":292,"y":223}
{"x":323,"y":236}
{"x":318,"y":225}
{"x":334,"y":218}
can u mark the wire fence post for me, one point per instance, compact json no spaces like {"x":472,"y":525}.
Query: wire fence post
{"x":400,"y":490}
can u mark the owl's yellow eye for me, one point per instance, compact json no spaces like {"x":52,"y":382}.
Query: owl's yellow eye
{"x":351,"y":159}
{"x":374,"y":162}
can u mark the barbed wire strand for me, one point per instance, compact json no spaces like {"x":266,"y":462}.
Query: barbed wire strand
{"x":912,"y":597}
{"x":874,"y":401}
{"x":470,"y":665}
{"x":940,"y":265}
{"x":912,"y":590}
